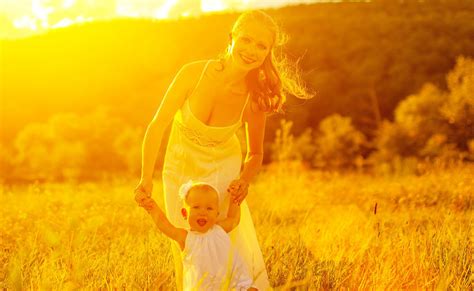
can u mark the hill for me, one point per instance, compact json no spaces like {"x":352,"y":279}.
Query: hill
{"x":356,"y":56}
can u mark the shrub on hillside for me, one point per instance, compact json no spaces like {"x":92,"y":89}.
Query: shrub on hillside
{"x":433,"y":123}
{"x":338,"y":143}
{"x":458,"y":108}
{"x":286,"y":147}
{"x":69,"y":146}
{"x":6,"y":163}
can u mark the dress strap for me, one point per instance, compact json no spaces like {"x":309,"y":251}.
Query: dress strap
{"x":245,"y":105}
{"x":200,"y":78}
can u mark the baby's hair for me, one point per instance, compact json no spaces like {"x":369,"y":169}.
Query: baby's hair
{"x":186,"y":187}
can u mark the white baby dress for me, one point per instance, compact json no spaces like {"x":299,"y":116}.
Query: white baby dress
{"x":211,"y":263}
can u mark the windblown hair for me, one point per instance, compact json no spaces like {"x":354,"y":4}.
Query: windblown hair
{"x":276,"y":77}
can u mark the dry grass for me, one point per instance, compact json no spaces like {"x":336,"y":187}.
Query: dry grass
{"x":317,"y":231}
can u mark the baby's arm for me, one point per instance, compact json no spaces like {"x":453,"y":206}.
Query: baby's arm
{"x":233,"y":217}
{"x":177,"y":234}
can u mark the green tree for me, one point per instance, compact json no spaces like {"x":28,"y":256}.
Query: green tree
{"x":419,"y":116}
{"x":338,"y":143}
{"x":70,"y":146}
{"x":433,"y":122}
{"x":458,"y":109}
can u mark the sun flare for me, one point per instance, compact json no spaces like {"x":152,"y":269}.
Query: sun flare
{"x":32,"y":16}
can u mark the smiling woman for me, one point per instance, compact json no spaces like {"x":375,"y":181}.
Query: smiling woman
{"x":207,"y":102}
{"x":253,"y":40}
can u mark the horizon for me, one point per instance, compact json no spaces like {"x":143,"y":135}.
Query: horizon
{"x":25,"y":18}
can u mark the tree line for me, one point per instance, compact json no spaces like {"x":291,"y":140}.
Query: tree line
{"x":361,"y":59}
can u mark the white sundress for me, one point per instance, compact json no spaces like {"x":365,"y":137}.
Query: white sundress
{"x":211,"y":263}
{"x":211,"y":154}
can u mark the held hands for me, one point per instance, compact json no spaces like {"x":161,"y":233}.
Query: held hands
{"x":143,"y":192}
{"x":149,"y":204}
{"x":238,"y":190}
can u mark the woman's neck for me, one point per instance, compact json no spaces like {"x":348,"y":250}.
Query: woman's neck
{"x":232,"y":74}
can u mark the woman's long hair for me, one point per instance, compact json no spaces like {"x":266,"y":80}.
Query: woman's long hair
{"x":276,"y":77}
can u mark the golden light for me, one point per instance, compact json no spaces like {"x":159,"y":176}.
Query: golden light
{"x":41,"y":12}
{"x":163,"y":11}
{"x":213,"y":5}
{"x":25,"y":22}
{"x":63,"y":23}
{"x":39,"y":15}
{"x":68,"y":3}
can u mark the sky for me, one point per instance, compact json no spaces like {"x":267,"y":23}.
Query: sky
{"x":20,"y":18}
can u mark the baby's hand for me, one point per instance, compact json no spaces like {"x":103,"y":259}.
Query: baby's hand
{"x":140,"y":195}
{"x":238,"y":190}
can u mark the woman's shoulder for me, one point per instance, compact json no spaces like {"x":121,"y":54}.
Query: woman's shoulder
{"x":193,"y":70}
{"x":198,"y":66}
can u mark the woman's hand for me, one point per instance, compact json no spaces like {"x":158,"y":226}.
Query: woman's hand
{"x":149,"y":204}
{"x":143,"y":192}
{"x":238,"y":190}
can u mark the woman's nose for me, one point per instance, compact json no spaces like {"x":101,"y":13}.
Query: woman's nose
{"x":253,"y":51}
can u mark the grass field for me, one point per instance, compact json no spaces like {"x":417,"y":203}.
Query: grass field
{"x":317,"y":231}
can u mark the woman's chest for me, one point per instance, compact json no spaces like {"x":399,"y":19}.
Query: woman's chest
{"x":217,"y":106}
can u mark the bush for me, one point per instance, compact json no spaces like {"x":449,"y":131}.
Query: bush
{"x":432,"y":124}
{"x":458,"y":109}
{"x":419,"y":115}
{"x":393,"y":140}
{"x":73,"y":147}
{"x":286,"y":147}
{"x":6,"y":163}
{"x":338,"y":143}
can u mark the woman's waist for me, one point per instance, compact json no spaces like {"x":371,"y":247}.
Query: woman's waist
{"x":205,"y":138}
{"x":185,"y":156}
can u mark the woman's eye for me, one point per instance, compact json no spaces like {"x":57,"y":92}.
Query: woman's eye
{"x":246,"y":39}
{"x":209,"y":208}
{"x":262,"y":47}
{"x":195,"y":207}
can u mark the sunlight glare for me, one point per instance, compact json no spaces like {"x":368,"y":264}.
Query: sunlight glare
{"x":25,"y":22}
{"x":63,"y":23}
{"x":68,"y":3}
{"x":212,"y":5}
{"x":164,"y":10}
{"x":40,"y":12}
{"x":125,"y":9}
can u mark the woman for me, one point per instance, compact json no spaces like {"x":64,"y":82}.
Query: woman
{"x":207,"y":102}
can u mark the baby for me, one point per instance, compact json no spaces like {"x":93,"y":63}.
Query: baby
{"x":209,"y":260}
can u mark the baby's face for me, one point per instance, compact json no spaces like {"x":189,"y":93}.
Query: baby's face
{"x":202,"y":205}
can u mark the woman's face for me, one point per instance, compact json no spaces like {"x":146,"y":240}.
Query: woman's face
{"x":250,"y":46}
{"x":202,"y":209}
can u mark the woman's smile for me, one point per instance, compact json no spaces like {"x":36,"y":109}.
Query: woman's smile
{"x":246,"y":59}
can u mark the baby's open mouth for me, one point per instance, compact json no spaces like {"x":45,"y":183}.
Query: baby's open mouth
{"x":201,"y":221}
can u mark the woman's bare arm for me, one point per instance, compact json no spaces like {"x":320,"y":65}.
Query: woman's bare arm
{"x":172,"y":101}
{"x":255,"y":133}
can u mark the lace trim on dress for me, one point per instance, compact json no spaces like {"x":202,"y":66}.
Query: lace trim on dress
{"x":196,"y":137}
